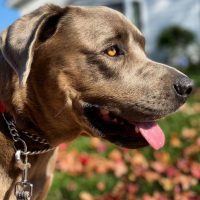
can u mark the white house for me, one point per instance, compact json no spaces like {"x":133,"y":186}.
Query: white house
{"x":151,"y":16}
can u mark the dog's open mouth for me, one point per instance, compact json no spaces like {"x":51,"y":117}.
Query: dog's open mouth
{"x":120,"y":131}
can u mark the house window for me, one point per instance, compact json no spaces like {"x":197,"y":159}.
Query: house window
{"x":117,"y":6}
{"x":136,"y":6}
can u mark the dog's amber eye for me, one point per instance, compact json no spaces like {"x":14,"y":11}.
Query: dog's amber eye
{"x":113,"y":51}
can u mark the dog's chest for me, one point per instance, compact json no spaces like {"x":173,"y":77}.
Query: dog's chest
{"x":5,"y":185}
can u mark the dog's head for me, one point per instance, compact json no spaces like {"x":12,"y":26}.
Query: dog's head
{"x":84,"y":70}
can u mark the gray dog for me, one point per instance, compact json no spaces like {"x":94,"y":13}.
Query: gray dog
{"x":66,"y":72}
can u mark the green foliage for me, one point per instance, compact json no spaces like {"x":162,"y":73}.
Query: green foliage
{"x":175,"y":36}
{"x":194,"y":73}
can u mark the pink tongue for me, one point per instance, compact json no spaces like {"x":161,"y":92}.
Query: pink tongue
{"x":153,"y":134}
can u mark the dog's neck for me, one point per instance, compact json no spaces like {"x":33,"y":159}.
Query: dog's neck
{"x":27,"y":105}
{"x":10,"y":173}
{"x":12,"y":98}
{"x":32,"y":141}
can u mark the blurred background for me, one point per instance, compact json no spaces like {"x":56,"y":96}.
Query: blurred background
{"x":90,"y":168}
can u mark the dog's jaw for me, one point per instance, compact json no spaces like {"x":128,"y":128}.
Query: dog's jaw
{"x":110,"y":126}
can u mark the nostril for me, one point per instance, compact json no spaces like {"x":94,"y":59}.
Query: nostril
{"x":189,"y":90}
{"x":177,"y":89}
{"x":183,"y":87}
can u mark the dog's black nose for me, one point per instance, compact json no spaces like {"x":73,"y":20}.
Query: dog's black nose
{"x":183,"y":86}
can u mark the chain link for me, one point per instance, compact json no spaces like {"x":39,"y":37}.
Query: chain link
{"x":17,"y":139}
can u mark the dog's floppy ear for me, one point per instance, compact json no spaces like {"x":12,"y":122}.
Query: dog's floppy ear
{"x":18,"y":41}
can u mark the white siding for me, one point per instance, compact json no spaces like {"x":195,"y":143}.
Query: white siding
{"x":163,"y":13}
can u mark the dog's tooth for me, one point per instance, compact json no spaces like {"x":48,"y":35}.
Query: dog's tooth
{"x":137,"y":130}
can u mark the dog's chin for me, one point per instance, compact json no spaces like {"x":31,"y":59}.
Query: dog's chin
{"x":112,"y":127}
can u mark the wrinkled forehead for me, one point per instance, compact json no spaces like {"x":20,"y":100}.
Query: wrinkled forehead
{"x":100,"y":24}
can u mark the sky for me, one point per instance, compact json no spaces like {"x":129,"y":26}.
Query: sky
{"x":7,"y":15}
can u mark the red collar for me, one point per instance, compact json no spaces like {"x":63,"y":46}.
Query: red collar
{"x":2,"y":107}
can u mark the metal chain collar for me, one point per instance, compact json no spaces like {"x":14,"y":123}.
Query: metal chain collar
{"x":23,"y":188}
{"x":16,"y":138}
